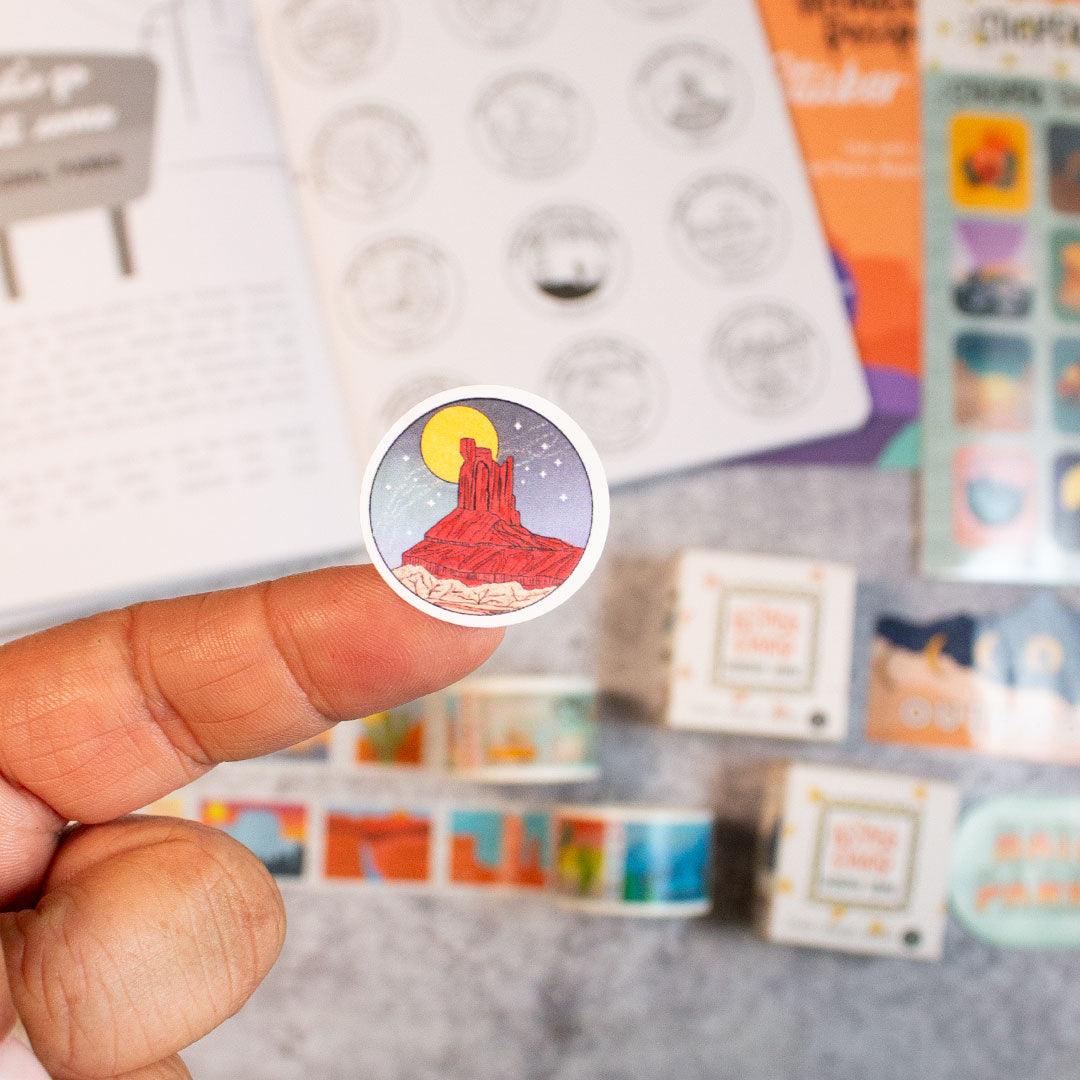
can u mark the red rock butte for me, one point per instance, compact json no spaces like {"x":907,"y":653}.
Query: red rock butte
{"x":482,"y":541}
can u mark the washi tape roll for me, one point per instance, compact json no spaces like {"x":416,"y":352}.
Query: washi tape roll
{"x":522,"y":729}
{"x":627,"y":860}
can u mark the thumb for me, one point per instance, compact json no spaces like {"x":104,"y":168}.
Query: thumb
{"x":17,"y":1061}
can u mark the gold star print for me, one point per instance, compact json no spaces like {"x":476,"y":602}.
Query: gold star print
{"x":877,"y":929}
{"x":944,"y":28}
{"x":1061,"y":70}
{"x":920,"y":791}
{"x":1008,"y":60}
{"x":838,"y":911}
{"x":814,"y":795}
{"x":790,"y":829}
{"x":780,"y":712}
{"x":784,"y":885}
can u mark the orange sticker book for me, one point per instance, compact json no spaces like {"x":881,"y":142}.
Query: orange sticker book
{"x":850,"y":75}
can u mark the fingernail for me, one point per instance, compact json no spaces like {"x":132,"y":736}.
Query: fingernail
{"x":17,"y":1061}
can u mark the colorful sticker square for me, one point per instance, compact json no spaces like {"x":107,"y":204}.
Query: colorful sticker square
{"x":276,"y":833}
{"x":990,"y":159}
{"x":1065,"y":273}
{"x":495,"y":848}
{"x":993,"y":496}
{"x":667,"y":862}
{"x":1067,"y":501}
{"x":992,"y":273}
{"x":993,"y":381}
{"x":1063,"y":145}
{"x":378,"y":845}
{"x":580,"y":866}
{"x":1066,"y":386}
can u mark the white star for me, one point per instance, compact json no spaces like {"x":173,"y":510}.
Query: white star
{"x":526,"y":468}
{"x":517,"y":426}
{"x":562,"y":498}
{"x":522,"y":483}
{"x":408,"y":532}
{"x":543,"y":475}
{"x":416,"y":479}
{"x":405,"y":458}
{"x":387,"y":487}
{"x":558,"y":462}
{"x":543,"y":446}
{"x":431,"y":502}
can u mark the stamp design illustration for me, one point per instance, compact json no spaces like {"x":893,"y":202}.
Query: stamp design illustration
{"x":400,"y":291}
{"x":335,"y":41}
{"x":367,"y":159}
{"x":500,"y":23}
{"x":378,"y":846}
{"x":692,"y":93}
{"x":767,"y":358}
{"x":276,"y":833}
{"x":485,"y":506}
{"x":532,"y":124}
{"x":615,"y":389}
{"x":567,"y":257}
{"x":730,"y":226}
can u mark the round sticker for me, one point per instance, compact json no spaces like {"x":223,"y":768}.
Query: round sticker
{"x":485,"y":506}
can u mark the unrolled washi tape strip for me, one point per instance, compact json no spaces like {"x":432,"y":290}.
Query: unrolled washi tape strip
{"x":627,"y":860}
{"x":598,"y":860}
{"x":485,"y":506}
{"x":522,"y":729}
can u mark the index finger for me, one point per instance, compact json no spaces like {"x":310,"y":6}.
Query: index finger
{"x":105,"y":715}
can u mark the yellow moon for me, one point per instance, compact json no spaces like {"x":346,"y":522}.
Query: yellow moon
{"x":440,"y":444}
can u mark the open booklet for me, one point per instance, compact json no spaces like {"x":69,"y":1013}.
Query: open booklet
{"x":601,"y":202}
{"x":169,"y":413}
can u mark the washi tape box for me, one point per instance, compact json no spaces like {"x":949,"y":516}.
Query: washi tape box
{"x":855,"y":860}
{"x":761,"y":645}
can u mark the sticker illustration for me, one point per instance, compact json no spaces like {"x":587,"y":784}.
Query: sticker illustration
{"x":276,"y":833}
{"x":616,"y":390}
{"x":485,"y":506}
{"x":992,"y":272}
{"x":400,"y":291}
{"x":993,"y":382}
{"x":1066,"y":379}
{"x":367,"y":159}
{"x":493,"y":848}
{"x":378,"y":845}
{"x":335,"y":41}
{"x":990,"y":163}
{"x":76,"y":134}
{"x":692,"y":94}
{"x":500,"y":23}
{"x":569,"y":258}
{"x":532,"y":124}
{"x":1064,"y":144}
{"x":993,"y":496}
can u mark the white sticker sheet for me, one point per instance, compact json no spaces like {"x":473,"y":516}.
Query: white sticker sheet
{"x":600,"y":202}
{"x":761,"y":645}
{"x":169,"y":411}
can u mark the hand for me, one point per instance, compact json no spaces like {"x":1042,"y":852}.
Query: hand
{"x":125,"y":940}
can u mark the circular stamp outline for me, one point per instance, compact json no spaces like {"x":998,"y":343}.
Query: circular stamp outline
{"x":317,"y":156}
{"x":300,"y":65}
{"x":658,"y":9}
{"x":722,"y":385}
{"x":598,"y":487}
{"x":462,"y":28}
{"x":745,"y":271}
{"x":662,"y":130}
{"x":489,"y":148}
{"x":607,"y":292}
{"x":399,"y":239}
{"x":659,"y":390}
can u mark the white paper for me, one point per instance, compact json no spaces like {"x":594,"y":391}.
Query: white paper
{"x":180,"y":422}
{"x":600,"y":201}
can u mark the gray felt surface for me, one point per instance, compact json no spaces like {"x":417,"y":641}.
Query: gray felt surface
{"x":412,"y":987}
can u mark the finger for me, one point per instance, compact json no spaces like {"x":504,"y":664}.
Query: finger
{"x":149,"y":933}
{"x":105,"y":715}
{"x":170,"y":1069}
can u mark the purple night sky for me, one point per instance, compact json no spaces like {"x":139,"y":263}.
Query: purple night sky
{"x":551,"y":486}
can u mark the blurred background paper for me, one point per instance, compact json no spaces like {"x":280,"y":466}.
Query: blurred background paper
{"x":851,"y":77}
{"x":168,"y":412}
{"x":602,"y":202}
